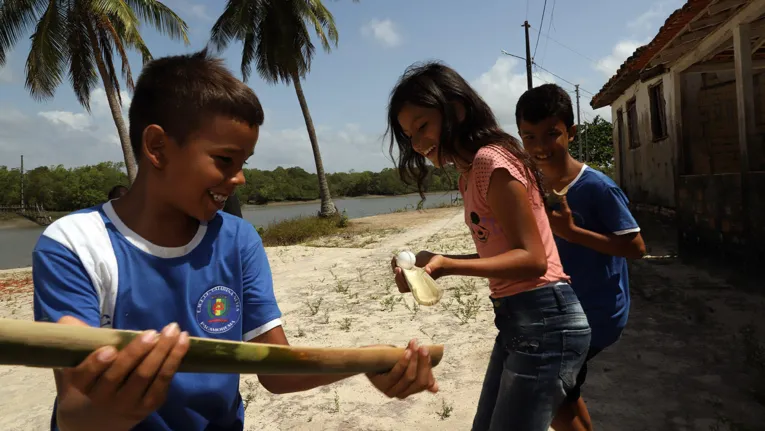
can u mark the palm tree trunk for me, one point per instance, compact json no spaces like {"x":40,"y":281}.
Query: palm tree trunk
{"x":114,"y":106}
{"x":327,"y":206}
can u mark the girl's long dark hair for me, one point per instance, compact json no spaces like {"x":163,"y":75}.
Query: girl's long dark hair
{"x":437,"y":86}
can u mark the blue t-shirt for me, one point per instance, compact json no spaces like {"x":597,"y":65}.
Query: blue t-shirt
{"x":600,"y":281}
{"x":91,"y":266}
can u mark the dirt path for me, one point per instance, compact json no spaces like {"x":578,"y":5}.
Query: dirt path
{"x":691,"y":358}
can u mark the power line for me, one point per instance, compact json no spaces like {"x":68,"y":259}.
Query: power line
{"x":551,"y":73}
{"x":595,"y":62}
{"x":562,"y":79}
{"x":549,"y":25}
{"x":541,"y":22}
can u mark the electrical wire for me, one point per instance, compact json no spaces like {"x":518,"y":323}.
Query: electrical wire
{"x":562,"y":79}
{"x":541,"y":23}
{"x":547,"y":36}
{"x":549,"y":26}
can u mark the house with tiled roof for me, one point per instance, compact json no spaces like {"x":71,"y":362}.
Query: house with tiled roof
{"x":689,"y":124}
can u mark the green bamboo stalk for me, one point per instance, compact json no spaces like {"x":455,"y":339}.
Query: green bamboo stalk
{"x":51,"y":345}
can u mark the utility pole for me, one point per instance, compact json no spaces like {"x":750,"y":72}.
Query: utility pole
{"x":578,"y":125}
{"x":22,"y":182}
{"x":528,"y":55}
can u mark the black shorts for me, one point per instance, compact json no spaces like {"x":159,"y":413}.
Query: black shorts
{"x":576,"y":391}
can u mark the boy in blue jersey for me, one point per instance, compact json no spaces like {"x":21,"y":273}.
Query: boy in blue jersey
{"x":593,"y":227}
{"x":164,"y":259}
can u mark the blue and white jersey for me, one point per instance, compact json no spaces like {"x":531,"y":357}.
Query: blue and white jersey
{"x":600,"y":281}
{"x":91,"y":266}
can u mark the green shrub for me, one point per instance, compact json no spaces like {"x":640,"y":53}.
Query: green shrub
{"x":300,"y":229}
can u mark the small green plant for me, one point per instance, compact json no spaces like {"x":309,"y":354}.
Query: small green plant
{"x":388,"y":303}
{"x":313,"y":307}
{"x":326,"y":318}
{"x":300,"y":332}
{"x":340,"y":285}
{"x":466,"y":303}
{"x":414,"y":308}
{"x":345,"y":325}
{"x":335,"y":408}
{"x":446,"y":410}
{"x":248,"y":393}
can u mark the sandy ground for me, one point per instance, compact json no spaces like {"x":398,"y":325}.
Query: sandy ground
{"x":691,"y":358}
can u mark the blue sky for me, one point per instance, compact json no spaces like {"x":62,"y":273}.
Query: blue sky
{"x":582,"y":42}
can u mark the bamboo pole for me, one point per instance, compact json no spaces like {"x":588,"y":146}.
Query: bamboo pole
{"x":51,"y":345}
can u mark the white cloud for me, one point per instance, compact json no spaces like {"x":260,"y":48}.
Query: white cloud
{"x":384,"y":32}
{"x":504,"y":83}
{"x":75,"y":138}
{"x":200,"y":11}
{"x":642,"y":29}
{"x":344,"y":148}
{"x":609,"y":64}
{"x":74,"y":121}
{"x":657,"y":13}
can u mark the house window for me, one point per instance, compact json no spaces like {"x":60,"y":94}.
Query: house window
{"x":632,"y":124}
{"x":658,"y":112}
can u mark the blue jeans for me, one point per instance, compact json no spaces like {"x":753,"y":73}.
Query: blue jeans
{"x":542,"y":343}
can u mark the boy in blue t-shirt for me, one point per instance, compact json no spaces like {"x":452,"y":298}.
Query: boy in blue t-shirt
{"x":166,"y":260}
{"x":594,"y":229}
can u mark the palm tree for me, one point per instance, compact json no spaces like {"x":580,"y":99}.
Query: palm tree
{"x":275,"y":35}
{"x":83,"y":36}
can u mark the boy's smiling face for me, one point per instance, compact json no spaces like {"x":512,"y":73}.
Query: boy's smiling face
{"x":547,"y":141}
{"x":199,"y":175}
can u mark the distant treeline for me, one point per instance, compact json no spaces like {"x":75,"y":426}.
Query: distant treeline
{"x":67,"y":189}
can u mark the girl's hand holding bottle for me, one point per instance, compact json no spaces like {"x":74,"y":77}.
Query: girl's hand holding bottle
{"x":432,"y":263}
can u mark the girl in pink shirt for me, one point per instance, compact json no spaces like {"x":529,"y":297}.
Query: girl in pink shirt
{"x":543,"y":335}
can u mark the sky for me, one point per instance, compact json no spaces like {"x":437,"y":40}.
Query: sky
{"x":347,"y":90}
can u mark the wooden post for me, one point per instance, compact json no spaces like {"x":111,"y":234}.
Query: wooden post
{"x":529,"y":82}
{"x":678,"y":155}
{"x":742,"y":48}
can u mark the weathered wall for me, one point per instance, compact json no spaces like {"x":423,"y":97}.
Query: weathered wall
{"x":646,"y":173}
{"x":711,"y":219}
{"x":710,"y":119}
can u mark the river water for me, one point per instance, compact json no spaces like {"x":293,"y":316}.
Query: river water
{"x":16,"y":245}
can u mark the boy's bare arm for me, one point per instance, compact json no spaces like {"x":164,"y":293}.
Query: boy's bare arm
{"x":629,"y":245}
{"x":411,"y":374}
{"x":283,"y":384}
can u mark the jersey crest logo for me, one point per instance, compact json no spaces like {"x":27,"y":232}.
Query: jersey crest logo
{"x":218,"y":310}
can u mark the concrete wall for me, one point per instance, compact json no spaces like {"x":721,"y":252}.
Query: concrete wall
{"x":646,"y":173}
{"x":711,"y":136}
{"x":711,"y":219}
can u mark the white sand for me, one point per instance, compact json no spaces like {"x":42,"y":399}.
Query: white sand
{"x":691,"y":358}
{"x":360,"y":306}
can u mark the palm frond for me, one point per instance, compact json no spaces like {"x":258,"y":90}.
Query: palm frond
{"x":324,"y":23}
{"x":131,"y":38}
{"x":45,"y":62}
{"x":162,"y":18}
{"x":236,"y":21}
{"x":82,"y":68}
{"x":16,"y":17}
{"x":118,"y":9}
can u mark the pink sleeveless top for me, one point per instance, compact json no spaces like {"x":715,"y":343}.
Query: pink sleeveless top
{"x":487,"y":233}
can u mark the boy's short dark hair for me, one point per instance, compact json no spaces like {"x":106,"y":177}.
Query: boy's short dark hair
{"x":179,"y":92}
{"x":545,"y":101}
